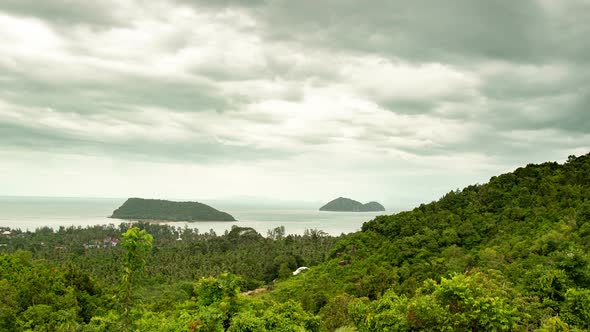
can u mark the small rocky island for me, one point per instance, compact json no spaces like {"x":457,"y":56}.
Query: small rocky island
{"x":162,"y":210}
{"x":342,"y":204}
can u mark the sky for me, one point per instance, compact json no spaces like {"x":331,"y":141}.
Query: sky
{"x":394,"y":101}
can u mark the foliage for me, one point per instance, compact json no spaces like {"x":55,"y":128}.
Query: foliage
{"x":576,"y":308}
{"x":347,"y":204}
{"x":509,"y":255}
{"x":527,"y":228}
{"x":136,"y":244}
{"x":157,"y":209}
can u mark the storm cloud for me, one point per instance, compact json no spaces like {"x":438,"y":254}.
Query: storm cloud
{"x":380,"y":100}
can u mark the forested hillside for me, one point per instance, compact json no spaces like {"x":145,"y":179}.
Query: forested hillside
{"x":511,"y":254}
{"x":508,"y":255}
{"x":159,"y":209}
{"x":350,"y":205}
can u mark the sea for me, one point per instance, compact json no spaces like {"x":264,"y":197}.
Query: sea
{"x":30,"y":213}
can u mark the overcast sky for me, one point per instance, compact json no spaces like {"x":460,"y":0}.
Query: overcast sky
{"x":395,"y":101}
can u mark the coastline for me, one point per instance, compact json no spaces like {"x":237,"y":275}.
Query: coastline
{"x":162,"y":221}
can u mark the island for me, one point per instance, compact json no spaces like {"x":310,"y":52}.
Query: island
{"x":342,"y":204}
{"x":163,"y":210}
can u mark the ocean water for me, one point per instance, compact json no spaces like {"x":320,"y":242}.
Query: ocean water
{"x":29,"y":213}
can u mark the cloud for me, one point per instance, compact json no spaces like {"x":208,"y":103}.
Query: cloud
{"x":306,"y":92}
{"x":527,"y":31}
{"x":64,"y":11}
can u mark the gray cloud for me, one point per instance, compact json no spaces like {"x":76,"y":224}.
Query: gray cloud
{"x":205,"y":150}
{"x":425,"y":31}
{"x":121,"y":92}
{"x":64,"y":12}
{"x":297,"y":83}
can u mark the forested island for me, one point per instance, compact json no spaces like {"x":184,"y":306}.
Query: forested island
{"x":508,"y":255}
{"x":342,"y":204}
{"x":157,"y":209}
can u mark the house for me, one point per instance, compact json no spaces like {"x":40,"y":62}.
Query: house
{"x":110,"y":242}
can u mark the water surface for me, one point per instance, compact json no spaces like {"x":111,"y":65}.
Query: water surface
{"x":29,"y":213}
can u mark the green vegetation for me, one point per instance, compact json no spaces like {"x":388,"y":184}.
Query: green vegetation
{"x":157,"y":209}
{"x":509,"y":255}
{"x":136,"y":243}
{"x":516,"y":247}
{"x":342,"y":204}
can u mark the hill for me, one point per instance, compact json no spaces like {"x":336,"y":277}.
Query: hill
{"x":156,"y":209}
{"x":511,"y":254}
{"x":508,"y":255}
{"x":342,"y":204}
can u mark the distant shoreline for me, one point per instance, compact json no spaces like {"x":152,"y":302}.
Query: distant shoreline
{"x":161,"y":221}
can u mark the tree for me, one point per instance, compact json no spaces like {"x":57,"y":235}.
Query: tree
{"x":137,"y":244}
{"x":576,"y":307}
